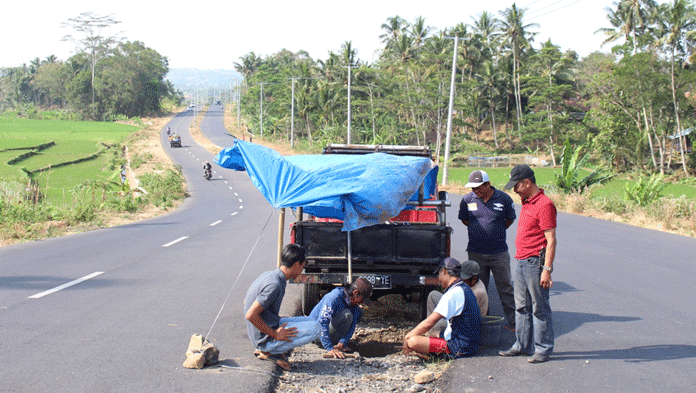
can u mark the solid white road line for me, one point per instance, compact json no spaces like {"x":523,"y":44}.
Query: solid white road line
{"x":215,"y":223}
{"x":175,"y":241}
{"x":71,"y":283}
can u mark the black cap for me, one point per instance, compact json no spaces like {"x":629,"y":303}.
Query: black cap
{"x":449,"y":263}
{"x":518,"y":173}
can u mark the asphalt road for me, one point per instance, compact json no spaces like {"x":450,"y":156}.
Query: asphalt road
{"x":624,"y":308}
{"x":623,"y":300}
{"x":156,"y":283}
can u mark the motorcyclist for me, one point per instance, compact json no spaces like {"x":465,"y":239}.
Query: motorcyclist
{"x":207,"y":166}
{"x":169,"y":130}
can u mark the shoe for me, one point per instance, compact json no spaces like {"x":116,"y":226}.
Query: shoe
{"x":510,"y":352}
{"x":538,"y":358}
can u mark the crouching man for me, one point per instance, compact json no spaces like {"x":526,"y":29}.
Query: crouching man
{"x":272,"y":335}
{"x":339,"y":312}
{"x":459,"y":307}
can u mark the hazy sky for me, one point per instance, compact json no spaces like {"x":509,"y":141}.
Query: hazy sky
{"x":200,"y":35}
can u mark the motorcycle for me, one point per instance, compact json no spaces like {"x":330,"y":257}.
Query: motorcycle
{"x":208,"y":174}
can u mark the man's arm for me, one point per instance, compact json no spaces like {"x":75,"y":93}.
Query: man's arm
{"x":550,"y":235}
{"x":424,"y":326}
{"x":253,"y":315}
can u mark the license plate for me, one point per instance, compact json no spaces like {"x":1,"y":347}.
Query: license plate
{"x":379,"y":281}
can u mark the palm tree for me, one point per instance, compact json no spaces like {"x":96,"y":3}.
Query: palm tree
{"x":677,"y":22}
{"x":490,"y":80}
{"x":517,"y":39}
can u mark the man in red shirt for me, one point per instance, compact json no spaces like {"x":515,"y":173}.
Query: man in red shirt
{"x":536,"y":250}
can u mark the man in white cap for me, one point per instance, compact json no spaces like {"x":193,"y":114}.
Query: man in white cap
{"x":488,"y":213}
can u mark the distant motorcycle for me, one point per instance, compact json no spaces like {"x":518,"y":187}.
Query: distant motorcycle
{"x":208,"y":174}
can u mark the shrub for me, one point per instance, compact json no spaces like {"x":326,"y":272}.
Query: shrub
{"x":164,"y":189}
{"x":645,"y":191}
{"x":568,"y":180}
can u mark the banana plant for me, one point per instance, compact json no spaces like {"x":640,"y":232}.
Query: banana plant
{"x":569,"y":179}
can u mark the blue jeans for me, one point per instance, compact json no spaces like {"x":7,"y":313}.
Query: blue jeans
{"x":308,"y":330}
{"x":533,"y":318}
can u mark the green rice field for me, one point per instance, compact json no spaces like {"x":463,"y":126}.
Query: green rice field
{"x":73,"y":140}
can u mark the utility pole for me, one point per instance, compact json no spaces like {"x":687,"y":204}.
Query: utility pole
{"x":239,"y":103}
{"x":449,"y":115}
{"x":261,"y":111}
{"x":292,"y":116}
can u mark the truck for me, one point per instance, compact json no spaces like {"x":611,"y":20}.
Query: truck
{"x":398,"y":256}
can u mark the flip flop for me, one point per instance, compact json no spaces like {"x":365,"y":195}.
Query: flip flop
{"x":277,"y":359}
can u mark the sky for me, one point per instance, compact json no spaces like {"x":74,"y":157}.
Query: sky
{"x":204,"y":36}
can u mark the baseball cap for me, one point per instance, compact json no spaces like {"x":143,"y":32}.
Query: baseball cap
{"x":519,"y":172}
{"x":449,"y":263}
{"x":476,"y":178}
{"x":364,"y":288}
{"x":469,"y":269}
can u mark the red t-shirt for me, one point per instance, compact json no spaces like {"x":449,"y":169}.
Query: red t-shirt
{"x":538,"y":214}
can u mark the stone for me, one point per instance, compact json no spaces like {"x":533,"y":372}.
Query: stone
{"x":196,"y":343}
{"x":211,"y":353}
{"x":424,"y":376}
{"x":194,"y":360}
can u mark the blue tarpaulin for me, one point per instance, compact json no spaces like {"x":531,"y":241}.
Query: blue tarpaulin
{"x":361,"y":190}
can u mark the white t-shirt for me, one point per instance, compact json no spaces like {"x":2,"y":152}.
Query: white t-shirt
{"x":450,"y":305}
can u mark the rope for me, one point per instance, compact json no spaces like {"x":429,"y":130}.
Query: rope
{"x":239,"y":275}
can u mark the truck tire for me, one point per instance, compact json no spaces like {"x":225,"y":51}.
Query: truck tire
{"x":310,"y":297}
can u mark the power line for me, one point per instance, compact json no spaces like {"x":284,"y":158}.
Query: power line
{"x":554,"y":10}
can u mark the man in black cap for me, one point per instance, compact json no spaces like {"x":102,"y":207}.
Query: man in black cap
{"x":459,"y":307}
{"x":339,"y":312}
{"x":487,"y":214}
{"x":536,"y":251}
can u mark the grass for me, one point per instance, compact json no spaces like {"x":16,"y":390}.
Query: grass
{"x":73,"y":140}
{"x":546,"y":178}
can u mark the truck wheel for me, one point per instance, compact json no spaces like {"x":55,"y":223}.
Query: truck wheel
{"x":310,"y":297}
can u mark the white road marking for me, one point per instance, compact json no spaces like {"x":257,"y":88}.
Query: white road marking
{"x":215,"y":223}
{"x":230,"y":187}
{"x":240,"y":200}
{"x":175,"y":241}
{"x":234,"y":214}
{"x":241,"y":207}
{"x":226,"y":182}
{"x":235,"y":194}
{"x":71,"y":283}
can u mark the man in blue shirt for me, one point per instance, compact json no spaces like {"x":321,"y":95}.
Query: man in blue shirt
{"x":488,"y":213}
{"x":338,"y":313}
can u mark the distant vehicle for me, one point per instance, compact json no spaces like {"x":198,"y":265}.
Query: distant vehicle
{"x":175,"y":141}
{"x":217,"y":102}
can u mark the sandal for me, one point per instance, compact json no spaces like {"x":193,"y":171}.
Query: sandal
{"x":277,"y":359}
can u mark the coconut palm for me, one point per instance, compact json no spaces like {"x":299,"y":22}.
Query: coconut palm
{"x":677,"y":23}
{"x":516,"y":38}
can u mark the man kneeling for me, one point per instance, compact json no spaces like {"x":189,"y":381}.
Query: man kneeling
{"x":459,"y":307}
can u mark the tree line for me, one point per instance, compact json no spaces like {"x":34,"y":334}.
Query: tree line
{"x":106,"y":78}
{"x":628,"y":108}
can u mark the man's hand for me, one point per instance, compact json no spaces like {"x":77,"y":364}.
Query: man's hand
{"x":283,"y":334}
{"x":337,"y":353}
{"x":545,"y":281}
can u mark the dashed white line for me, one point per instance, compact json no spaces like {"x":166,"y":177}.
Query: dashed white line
{"x":71,"y":283}
{"x":230,"y":187}
{"x":234,"y":214}
{"x":240,"y":200}
{"x":215,"y":223}
{"x":241,"y":207}
{"x":226,"y":182}
{"x":235,"y":194}
{"x":175,"y":241}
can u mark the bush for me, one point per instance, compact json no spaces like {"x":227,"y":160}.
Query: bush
{"x":163,"y":190}
{"x":568,"y":180}
{"x":645,"y":191}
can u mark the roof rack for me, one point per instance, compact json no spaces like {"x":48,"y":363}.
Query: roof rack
{"x":419,"y":151}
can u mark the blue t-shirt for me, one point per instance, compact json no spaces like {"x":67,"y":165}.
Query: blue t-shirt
{"x":487,"y":221}
{"x":331,"y":304}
